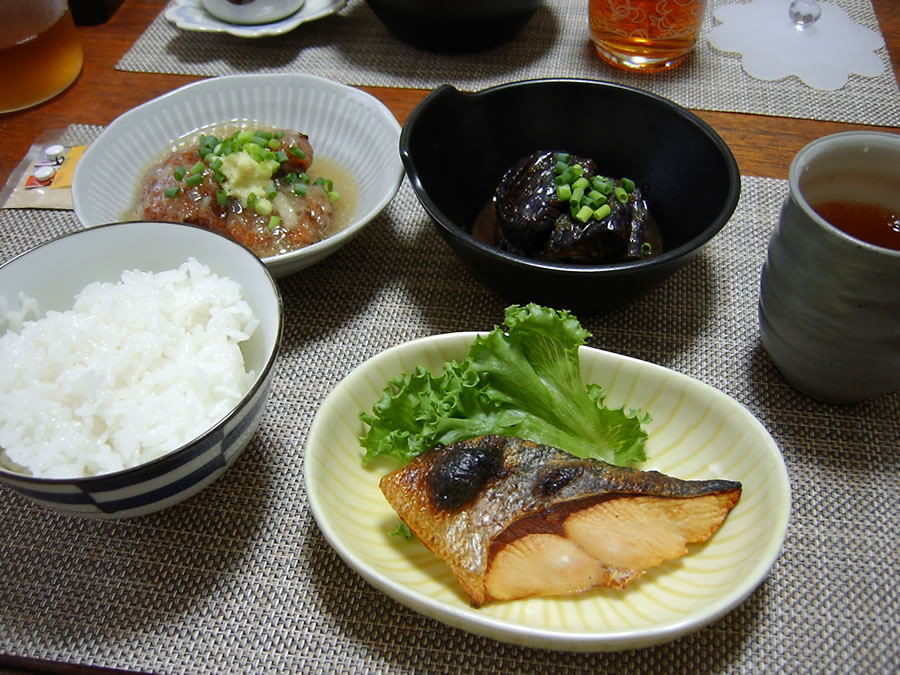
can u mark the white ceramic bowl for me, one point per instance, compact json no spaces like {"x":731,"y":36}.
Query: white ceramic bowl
{"x":53,"y":272}
{"x":344,"y":124}
{"x":697,"y":432}
{"x":251,"y":11}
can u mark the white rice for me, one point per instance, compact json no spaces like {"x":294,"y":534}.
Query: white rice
{"x":132,"y":371}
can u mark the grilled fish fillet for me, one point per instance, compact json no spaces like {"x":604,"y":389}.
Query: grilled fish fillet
{"x":515,"y":519}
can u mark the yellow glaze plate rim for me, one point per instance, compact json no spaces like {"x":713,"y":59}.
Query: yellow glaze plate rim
{"x":697,"y":432}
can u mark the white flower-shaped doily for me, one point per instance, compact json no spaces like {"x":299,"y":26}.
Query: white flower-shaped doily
{"x":823,"y":54}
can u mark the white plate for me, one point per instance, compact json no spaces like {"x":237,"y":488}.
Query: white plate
{"x":190,"y":15}
{"x":344,"y":124}
{"x":697,"y":432}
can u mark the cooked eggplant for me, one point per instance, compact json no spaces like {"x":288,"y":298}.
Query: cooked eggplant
{"x":535,"y":222}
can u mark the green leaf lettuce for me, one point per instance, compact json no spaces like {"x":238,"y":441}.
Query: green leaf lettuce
{"x":523,"y":381}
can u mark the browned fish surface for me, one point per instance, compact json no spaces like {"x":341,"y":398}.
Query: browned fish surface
{"x":515,"y":519}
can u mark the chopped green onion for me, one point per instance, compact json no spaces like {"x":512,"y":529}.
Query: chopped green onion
{"x":251,"y":200}
{"x":265,"y":135}
{"x":564,"y":192}
{"x":333,"y":196}
{"x":577,"y":169}
{"x":197,"y":168}
{"x":577,"y":195}
{"x":304,"y":177}
{"x":171,"y":192}
{"x":220,"y":177}
{"x":563,"y":157}
{"x":273,"y":144}
{"x":597,"y":197}
{"x":601,"y":185}
{"x":646,"y":248}
{"x":300,"y":189}
{"x":584,"y":213}
{"x":217,"y":164}
{"x":290,"y":178}
{"x":274,"y":222}
{"x":297,"y":152}
{"x":281,"y":156}
{"x":566,"y":177}
{"x":621,"y":195}
{"x":179,"y":172}
{"x":582,"y":183}
{"x":628,"y":184}
{"x":279,"y":133}
{"x":194,"y":179}
{"x":603,"y":211}
{"x":560,"y":166}
{"x":271,"y":192}
{"x":221,"y":197}
{"x":263,"y":206}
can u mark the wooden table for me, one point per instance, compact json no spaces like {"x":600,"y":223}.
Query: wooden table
{"x":762,"y":145}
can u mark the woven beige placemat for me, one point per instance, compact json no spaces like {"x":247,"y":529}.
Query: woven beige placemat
{"x":353,"y":47}
{"x":239,"y":579}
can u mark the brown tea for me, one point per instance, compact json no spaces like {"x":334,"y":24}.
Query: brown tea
{"x":874,"y":224}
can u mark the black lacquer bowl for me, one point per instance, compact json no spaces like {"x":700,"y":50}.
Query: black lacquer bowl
{"x":456,"y":146}
{"x":454,"y":25}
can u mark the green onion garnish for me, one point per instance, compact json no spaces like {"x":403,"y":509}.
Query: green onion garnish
{"x":197,"y":168}
{"x":194,"y":179}
{"x":621,"y":195}
{"x":333,"y":196}
{"x":274,"y":222}
{"x":221,"y":197}
{"x":171,"y":192}
{"x":603,"y":211}
{"x":584,"y":213}
{"x":628,"y":184}
{"x":297,"y":152}
{"x":263,"y":207}
{"x":300,"y":189}
{"x":179,"y":172}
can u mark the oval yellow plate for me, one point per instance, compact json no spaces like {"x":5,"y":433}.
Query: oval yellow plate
{"x":697,"y":432}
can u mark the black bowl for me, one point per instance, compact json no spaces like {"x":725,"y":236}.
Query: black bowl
{"x":456,"y":146}
{"x":453,"y":25}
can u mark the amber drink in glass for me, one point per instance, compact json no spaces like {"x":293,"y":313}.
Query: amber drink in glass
{"x":40,"y":53}
{"x":645,"y":35}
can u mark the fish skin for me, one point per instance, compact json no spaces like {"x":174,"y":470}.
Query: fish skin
{"x":504,"y":513}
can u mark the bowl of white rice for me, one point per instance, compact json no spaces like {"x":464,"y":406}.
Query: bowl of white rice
{"x":136,"y":360}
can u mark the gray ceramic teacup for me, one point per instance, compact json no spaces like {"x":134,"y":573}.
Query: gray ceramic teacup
{"x":829,"y":304}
